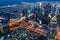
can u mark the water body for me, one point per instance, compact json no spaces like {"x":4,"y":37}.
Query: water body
{"x":11,"y":2}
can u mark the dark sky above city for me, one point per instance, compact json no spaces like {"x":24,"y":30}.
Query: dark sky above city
{"x":29,"y":0}
{"x":9,"y":2}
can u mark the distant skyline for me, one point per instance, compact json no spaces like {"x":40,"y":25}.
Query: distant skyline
{"x":11,"y":2}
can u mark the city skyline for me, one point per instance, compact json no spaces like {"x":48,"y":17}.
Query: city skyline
{"x":11,"y":2}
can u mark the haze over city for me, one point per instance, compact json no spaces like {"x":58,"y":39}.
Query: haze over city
{"x":11,"y":2}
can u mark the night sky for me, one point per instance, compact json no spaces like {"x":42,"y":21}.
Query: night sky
{"x":10,"y":2}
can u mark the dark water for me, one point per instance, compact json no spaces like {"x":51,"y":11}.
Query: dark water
{"x":10,"y":2}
